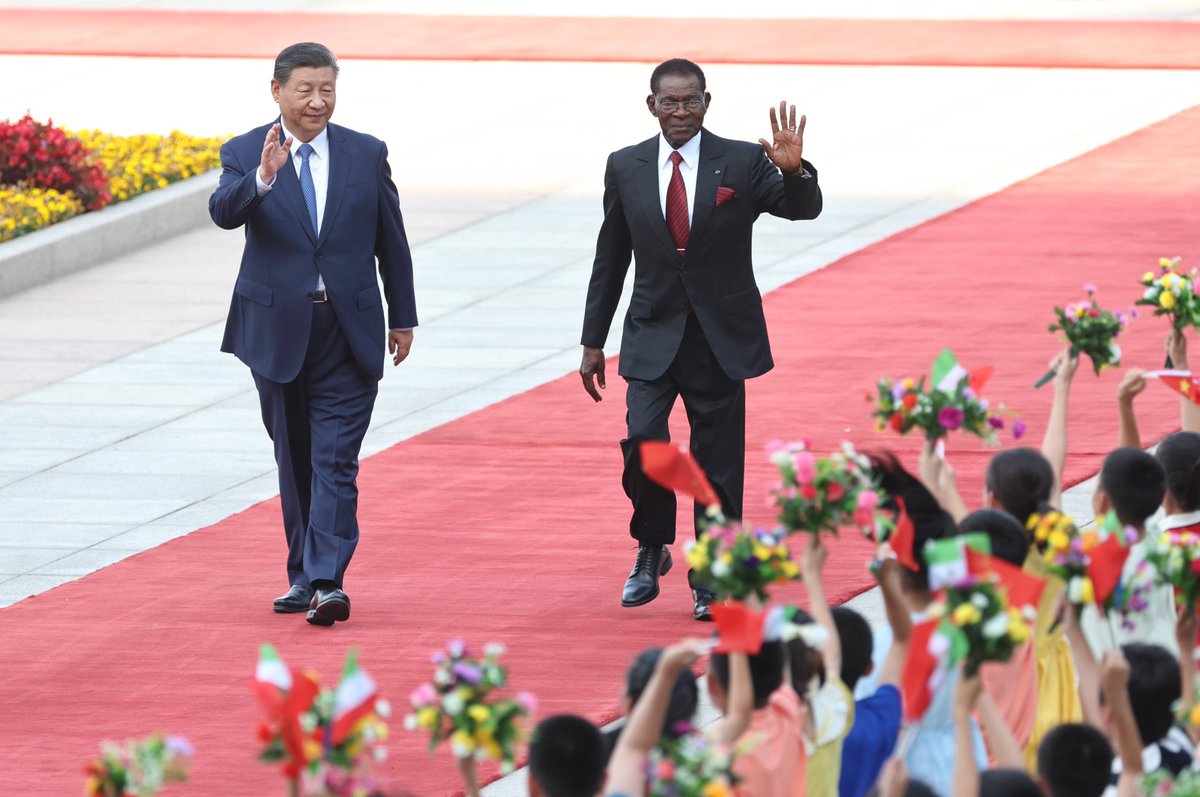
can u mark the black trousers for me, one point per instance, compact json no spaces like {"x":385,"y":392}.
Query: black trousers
{"x":317,"y":422}
{"x":716,"y":411}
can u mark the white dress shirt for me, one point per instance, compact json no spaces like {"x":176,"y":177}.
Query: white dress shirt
{"x":318,"y":164}
{"x":687,"y":169}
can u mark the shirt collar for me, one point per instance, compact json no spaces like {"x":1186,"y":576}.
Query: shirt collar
{"x":1181,"y":520}
{"x":320,"y":143}
{"x":690,"y":151}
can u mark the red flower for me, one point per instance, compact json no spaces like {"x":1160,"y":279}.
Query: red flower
{"x":896,"y":422}
{"x":1196,"y":566}
{"x":910,"y":401}
{"x":809,"y":492}
{"x":834,"y":492}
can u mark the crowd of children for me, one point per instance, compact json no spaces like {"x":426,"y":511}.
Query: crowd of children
{"x":1087,"y":707}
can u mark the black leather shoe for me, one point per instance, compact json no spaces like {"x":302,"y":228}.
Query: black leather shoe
{"x":704,"y":600}
{"x":328,"y":606}
{"x":642,"y":585}
{"x":295,"y":601}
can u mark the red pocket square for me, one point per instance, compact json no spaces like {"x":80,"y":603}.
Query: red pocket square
{"x":725,"y":194}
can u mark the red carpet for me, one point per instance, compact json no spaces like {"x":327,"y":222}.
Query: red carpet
{"x":1023,"y":43}
{"x":508,"y":524}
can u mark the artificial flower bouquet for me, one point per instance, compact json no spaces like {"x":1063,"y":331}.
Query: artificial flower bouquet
{"x":690,"y":765}
{"x":459,"y":706}
{"x":138,"y":768}
{"x":1161,"y":783}
{"x":325,"y":740}
{"x":979,"y":624}
{"x":1176,"y":556}
{"x":817,"y":494}
{"x":1172,"y":293}
{"x":952,"y":403}
{"x":1065,"y":550}
{"x":736,"y":563}
{"x":1090,"y":331}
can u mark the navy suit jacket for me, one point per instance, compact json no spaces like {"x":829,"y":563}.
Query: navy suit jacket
{"x":270,"y":317}
{"x":715,"y":277}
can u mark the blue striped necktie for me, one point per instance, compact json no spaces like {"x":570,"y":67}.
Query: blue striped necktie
{"x":306,"y":186}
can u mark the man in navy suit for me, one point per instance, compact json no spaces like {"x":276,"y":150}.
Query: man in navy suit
{"x":683,"y":205}
{"x":319,"y":210}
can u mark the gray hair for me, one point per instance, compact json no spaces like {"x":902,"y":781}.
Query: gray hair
{"x":301,"y":55}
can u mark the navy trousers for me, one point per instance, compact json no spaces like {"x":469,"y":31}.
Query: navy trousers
{"x":716,"y":411}
{"x":317,"y":423}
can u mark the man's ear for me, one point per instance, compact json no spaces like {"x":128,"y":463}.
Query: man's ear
{"x":651,"y":105}
{"x":707,"y":100}
{"x":276,"y":89}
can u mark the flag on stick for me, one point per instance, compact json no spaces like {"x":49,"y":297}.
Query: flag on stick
{"x":674,"y":468}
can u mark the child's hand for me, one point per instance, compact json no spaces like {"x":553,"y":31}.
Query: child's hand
{"x":681,"y":655}
{"x":1133,"y":383}
{"x":814,"y":558}
{"x":893,"y":780}
{"x":1114,"y":673}
{"x":1063,"y":365}
{"x":936,"y":473}
{"x":966,"y":694}
{"x":887,"y":574}
{"x":467,"y":767}
{"x":1176,"y":348}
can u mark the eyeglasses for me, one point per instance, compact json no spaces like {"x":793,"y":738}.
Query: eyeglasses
{"x":671,"y":106}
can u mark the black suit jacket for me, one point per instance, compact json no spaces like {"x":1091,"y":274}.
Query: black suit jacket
{"x":715,"y":276}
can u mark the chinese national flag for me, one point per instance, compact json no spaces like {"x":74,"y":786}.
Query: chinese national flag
{"x":1024,"y":589}
{"x":1187,"y":385}
{"x":1104,"y":569}
{"x":902,"y":538}
{"x":739,"y":629}
{"x":674,"y":468}
{"x":919,"y":666}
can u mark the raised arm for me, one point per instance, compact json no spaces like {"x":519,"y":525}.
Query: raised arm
{"x":740,"y":704}
{"x":1131,"y":385}
{"x":814,"y":563}
{"x":797,"y":195}
{"x":1085,"y":664}
{"x":940,"y":479}
{"x":626,"y":768}
{"x":1177,"y":350}
{"x":1054,"y":443}
{"x":1115,"y":682}
{"x":238,"y":192}
{"x":966,"y":770}
{"x":888,"y":576}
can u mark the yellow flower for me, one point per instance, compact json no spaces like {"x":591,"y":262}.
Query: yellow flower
{"x":493,"y":750}
{"x":1148,"y":278}
{"x":1087,"y":592}
{"x":479,"y":712}
{"x":908,"y":383}
{"x":716,"y":789}
{"x":761,"y":553}
{"x":427,"y":717}
{"x":965,"y":614}
{"x":726,"y":558}
{"x":789,"y":569}
{"x":1194,"y":717}
{"x":697,"y":557}
{"x":462,"y":741}
{"x":1166,"y":300}
{"x":1018,"y":630}
{"x":1059,"y":540}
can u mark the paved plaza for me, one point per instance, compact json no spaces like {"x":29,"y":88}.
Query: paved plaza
{"x":121,"y":424}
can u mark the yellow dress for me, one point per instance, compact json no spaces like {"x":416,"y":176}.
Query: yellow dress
{"x":833,"y":716}
{"x":1057,"y":682}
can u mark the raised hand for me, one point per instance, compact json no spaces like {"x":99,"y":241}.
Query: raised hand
{"x":1063,"y":365}
{"x":591,"y":371}
{"x":1176,"y":349}
{"x":1133,"y":383}
{"x":275,"y":153}
{"x":787,"y":142}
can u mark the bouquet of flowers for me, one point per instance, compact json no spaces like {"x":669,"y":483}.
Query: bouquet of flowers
{"x":138,"y":768}
{"x":952,"y":403}
{"x":1065,"y":551}
{"x":818,"y":494}
{"x":1172,"y":293}
{"x":980,"y":624}
{"x":1090,"y":331}
{"x":1176,"y":556}
{"x":735,"y":563}
{"x":326,"y":740}
{"x":690,"y":766}
{"x":458,"y":705}
{"x":1161,"y":783}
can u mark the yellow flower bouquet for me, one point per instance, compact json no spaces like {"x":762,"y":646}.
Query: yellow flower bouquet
{"x":735,"y":563}
{"x":1172,"y":292}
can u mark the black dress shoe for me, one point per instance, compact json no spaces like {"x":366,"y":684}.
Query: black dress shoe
{"x":328,"y":606}
{"x":704,"y":600}
{"x":295,"y":601}
{"x":642,"y":585}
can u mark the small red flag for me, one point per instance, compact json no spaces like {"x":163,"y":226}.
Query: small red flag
{"x":673,"y":467}
{"x":902,"y":538}
{"x":1024,"y":589}
{"x":919,"y":665}
{"x":978,"y":379}
{"x":1104,"y":569}
{"x":1187,"y":385}
{"x":739,"y":630}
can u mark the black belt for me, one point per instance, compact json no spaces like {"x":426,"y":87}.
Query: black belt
{"x":318,"y":297}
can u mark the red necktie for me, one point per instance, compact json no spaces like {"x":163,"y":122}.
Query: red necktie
{"x":677,"y":208}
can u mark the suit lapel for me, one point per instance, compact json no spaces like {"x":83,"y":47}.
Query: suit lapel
{"x":708,"y":176}
{"x":646,"y":181}
{"x":339,"y":168}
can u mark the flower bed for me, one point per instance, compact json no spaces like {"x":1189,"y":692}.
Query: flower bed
{"x":49,"y":174}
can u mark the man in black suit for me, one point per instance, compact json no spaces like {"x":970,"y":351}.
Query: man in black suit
{"x":683,"y":206}
{"x":321,"y":215}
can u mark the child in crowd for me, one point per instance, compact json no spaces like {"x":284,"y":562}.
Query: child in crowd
{"x":1132,"y":485}
{"x":566,"y":758}
{"x":682,"y":706}
{"x":877,"y":717}
{"x":829,"y":704}
{"x":930,"y":754}
{"x":1074,"y":760}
